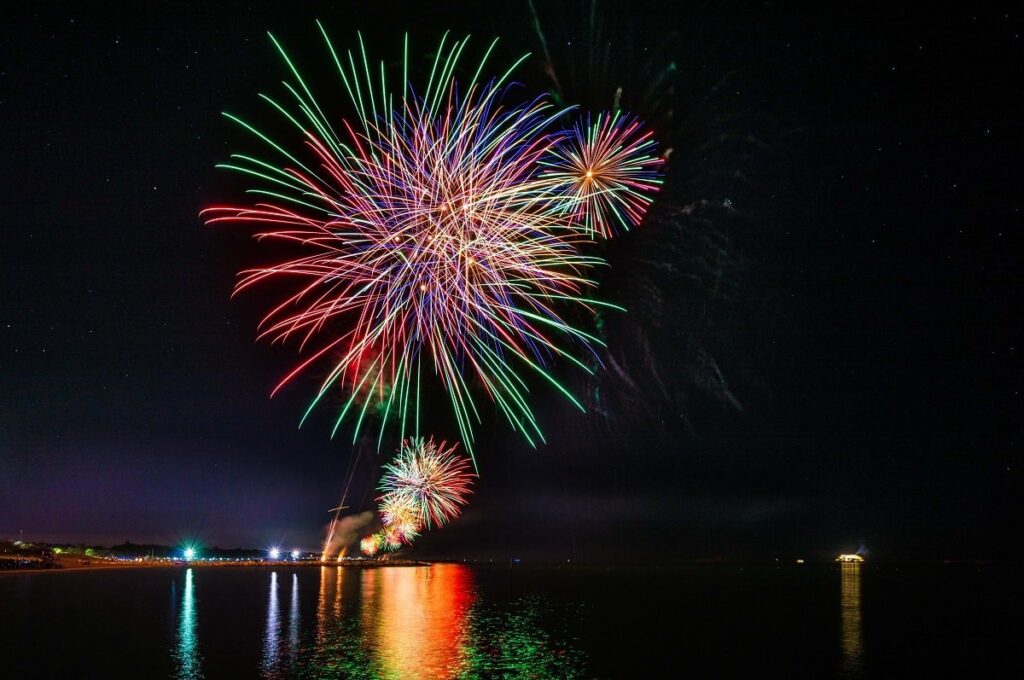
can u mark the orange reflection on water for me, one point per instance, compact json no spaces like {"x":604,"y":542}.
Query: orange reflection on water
{"x":851,"y":640}
{"x":321,"y":609}
{"x":418,"y":618}
{"x":328,"y":604}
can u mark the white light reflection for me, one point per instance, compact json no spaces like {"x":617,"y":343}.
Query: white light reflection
{"x":293,"y":622}
{"x":271,"y":639}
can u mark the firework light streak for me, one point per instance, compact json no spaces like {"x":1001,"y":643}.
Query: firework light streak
{"x":611,"y":168}
{"x":427,"y":478}
{"x":432,"y":245}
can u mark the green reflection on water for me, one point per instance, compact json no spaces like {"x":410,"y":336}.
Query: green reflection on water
{"x":187,"y":650}
{"x":516,"y":644}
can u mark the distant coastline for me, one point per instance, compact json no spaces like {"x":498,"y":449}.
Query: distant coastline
{"x":73,"y":564}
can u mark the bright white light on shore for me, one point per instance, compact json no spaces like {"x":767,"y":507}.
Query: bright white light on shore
{"x":275,"y":553}
{"x":190,"y":553}
{"x":295,"y":554}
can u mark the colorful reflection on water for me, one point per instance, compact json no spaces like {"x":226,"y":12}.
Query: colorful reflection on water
{"x":394,"y":622}
{"x":851,"y":636}
{"x":495,"y":622}
{"x":418,"y":618}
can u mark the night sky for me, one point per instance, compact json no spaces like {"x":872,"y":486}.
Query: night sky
{"x":835,"y":359}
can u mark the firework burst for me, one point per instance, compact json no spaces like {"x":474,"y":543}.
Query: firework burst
{"x":428,"y":245}
{"x":400,"y":514}
{"x":428,"y":480}
{"x":611,"y":168}
{"x":370,"y":545}
{"x":392,"y":538}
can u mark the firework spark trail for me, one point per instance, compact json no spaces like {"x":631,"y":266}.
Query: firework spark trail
{"x":611,"y":168}
{"x":329,"y":540}
{"x":434,"y":243}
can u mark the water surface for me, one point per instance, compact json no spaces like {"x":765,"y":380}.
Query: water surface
{"x":459,"y":621}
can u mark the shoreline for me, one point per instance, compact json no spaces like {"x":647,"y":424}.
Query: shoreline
{"x":103,"y":566}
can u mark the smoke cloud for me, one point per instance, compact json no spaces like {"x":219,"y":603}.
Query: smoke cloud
{"x":346,"y":531}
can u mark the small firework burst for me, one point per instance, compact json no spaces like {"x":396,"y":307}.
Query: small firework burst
{"x":611,"y":167}
{"x":400,"y":519}
{"x":392,"y":538}
{"x":427,"y":479}
{"x":370,"y":545}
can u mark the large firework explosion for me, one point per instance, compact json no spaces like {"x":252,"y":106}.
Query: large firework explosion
{"x":428,"y":478}
{"x":434,"y":244}
{"x":438,"y":236}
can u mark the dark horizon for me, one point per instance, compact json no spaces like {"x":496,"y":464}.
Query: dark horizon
{"x":834,"y":361}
